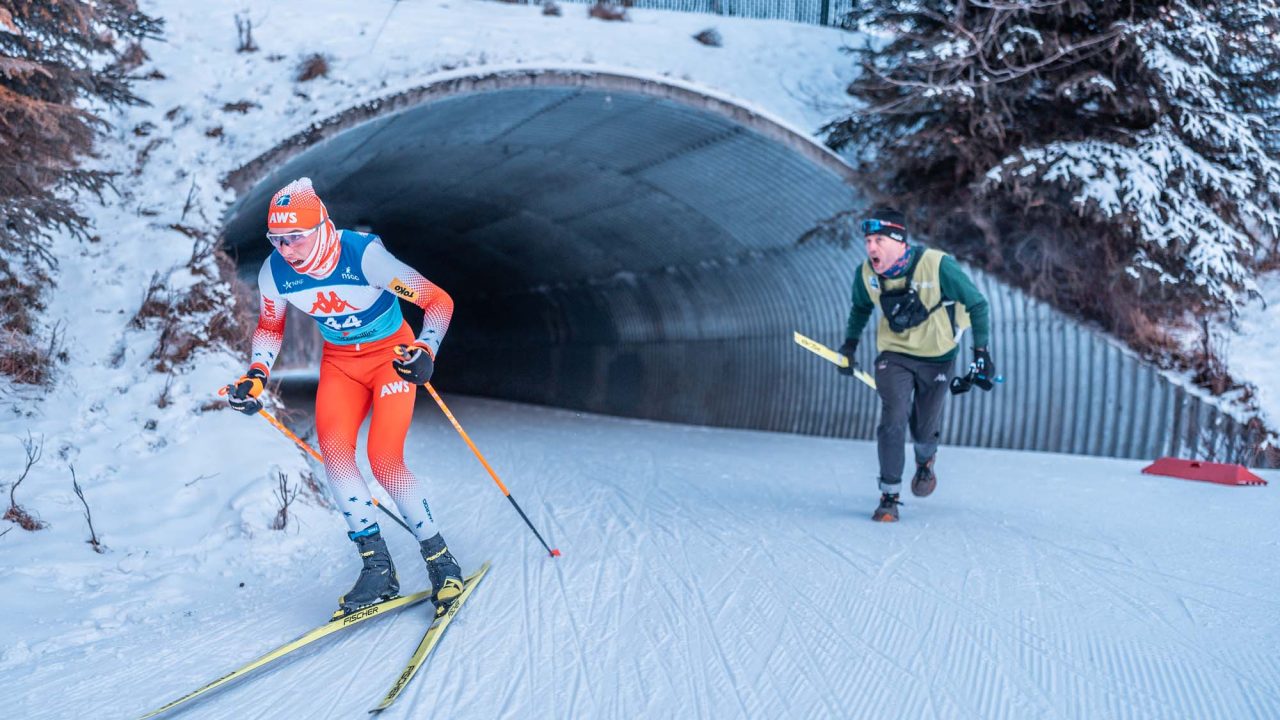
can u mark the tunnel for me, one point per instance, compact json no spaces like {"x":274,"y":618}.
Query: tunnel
{"x":630,"y":245}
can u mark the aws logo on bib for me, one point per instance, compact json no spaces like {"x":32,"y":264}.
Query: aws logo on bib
{"x":393,"y":388}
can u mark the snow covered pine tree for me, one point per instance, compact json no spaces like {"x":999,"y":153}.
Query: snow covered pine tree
{"x":60,"y":63}
{"x":1117,"y":159}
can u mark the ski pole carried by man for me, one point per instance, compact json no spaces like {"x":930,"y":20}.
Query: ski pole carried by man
{"x":348,"y":283}
{"x":926,"y":301}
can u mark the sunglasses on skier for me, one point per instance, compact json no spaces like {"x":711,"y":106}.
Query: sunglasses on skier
{"x":290,"y":239}
{"x":874,"y":227}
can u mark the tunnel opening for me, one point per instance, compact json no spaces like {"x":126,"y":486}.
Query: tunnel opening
{"x":613,"y":243}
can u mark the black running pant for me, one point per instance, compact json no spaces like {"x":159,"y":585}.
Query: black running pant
{"x":911,"y":393}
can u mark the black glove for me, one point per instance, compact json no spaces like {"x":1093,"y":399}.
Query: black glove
{"x":415,"y":363}
{"x":243,"y":395}
{"x":850,"y":350}
{"x":984,"y":370}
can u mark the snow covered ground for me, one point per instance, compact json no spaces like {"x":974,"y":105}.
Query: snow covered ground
{"x":705,"y":573}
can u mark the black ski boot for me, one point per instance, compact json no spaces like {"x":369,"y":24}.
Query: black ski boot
{"x":445,"y":574}
{"x":888,"y":510}
{"x":924,"y":482}
{"x":377,"y":579}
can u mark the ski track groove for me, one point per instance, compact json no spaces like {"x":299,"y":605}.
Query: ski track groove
{"x":1139,"y":609}
{"x":581,"y":673}
{"x":814,"y":669}
{"x":709,"y":618}
{"x":967,"y":610}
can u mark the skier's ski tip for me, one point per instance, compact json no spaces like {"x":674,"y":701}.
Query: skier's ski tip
{"x":429,"y":640}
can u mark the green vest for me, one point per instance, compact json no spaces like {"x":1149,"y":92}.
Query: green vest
{"x":937,"y":335}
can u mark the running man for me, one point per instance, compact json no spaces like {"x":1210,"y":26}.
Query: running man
{"x":926,"y":301}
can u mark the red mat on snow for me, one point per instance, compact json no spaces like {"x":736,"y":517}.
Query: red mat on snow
{"x":1221,"y":473}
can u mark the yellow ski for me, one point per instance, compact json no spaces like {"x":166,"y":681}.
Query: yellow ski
{"x":429,"y":641}
{"x":832,"y":356}
{"x":340,"y":623}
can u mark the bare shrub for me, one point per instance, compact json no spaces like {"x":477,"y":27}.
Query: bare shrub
{"x":26,"y":359}
{"x":242,"y":107}
{"x":313,"y":66}
{"x":1210,"y":369}
{"x":166,"y":398}
{"x":285,"y":495}
{"x":551,"y":9}
{"x":154,"y":304}
{"x":20,"y":303}
{"x":244,"y":34}
{"x":315,"y":492}
{"x":608,"y":11}
{"x":212,"y":405}
{"x":97,"y":545}
{"x":709,"y":37}
{"x":207,"y":315}
{"x":16,"y":513}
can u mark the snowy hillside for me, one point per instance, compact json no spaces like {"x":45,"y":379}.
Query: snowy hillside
{"x":1251,"y":353}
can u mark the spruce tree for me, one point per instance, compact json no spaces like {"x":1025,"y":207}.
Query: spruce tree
{"x":59,"y":61}
{"x":1118,"y":159}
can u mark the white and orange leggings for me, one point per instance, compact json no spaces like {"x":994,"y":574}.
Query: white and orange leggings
{"x":353,"y":379}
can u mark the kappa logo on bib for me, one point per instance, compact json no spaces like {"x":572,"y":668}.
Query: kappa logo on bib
{"x":331,"y":304}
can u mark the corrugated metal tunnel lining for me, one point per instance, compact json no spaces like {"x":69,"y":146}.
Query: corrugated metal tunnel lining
{"x":628,"y":246}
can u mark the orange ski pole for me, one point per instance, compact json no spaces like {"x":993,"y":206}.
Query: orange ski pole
{"x":312,"y":452}
{"x":440,"y":401}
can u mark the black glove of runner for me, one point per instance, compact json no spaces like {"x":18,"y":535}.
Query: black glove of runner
{"x":243,"y":395}
{"x":415,"y":363}
{"x":850,"y":350}
{"x":984,"y":374}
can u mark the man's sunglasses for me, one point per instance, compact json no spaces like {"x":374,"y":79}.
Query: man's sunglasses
{"x":280,"y":240}
{"x":872,"y":227}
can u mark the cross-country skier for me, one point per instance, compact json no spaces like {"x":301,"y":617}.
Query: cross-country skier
{"x":926,"y":301}
{"x":348,"y":282}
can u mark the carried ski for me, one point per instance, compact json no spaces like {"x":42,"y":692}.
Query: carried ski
{"x":338,"y":623}
{"x":429,"y":640}
{"x":832,"y":356}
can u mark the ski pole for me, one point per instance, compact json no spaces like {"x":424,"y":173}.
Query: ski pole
{"x":400,"y":350}
{"x":312,"y":452}
{"x":440,"y":401}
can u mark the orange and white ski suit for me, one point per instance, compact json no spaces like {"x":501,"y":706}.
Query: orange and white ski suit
{"x":359,"y":317}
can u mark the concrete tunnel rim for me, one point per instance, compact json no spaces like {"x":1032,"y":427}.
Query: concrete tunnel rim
{"x":470,"y":81}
